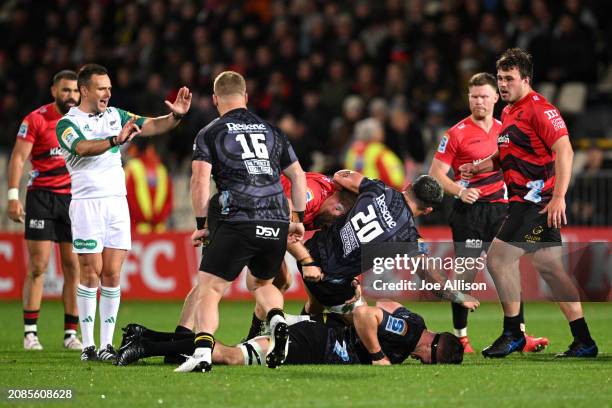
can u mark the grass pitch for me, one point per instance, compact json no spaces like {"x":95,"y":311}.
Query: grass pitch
{"x":519,"y":380}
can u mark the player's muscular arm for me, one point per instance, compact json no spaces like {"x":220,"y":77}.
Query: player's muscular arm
{"x":348,"y":180}
{"x":20,"y":154}
{"x":298,"y":200}
{"x":439,"y":170}
{"x":311,"y":271}
{"x":468,"y":170}
{"x":564,"y":156}
{"x":200,"y":195}
{"x":162,"y":124}
{"x":366,"y":320}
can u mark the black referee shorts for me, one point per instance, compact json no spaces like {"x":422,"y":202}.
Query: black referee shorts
{"x":46,"y":217}
{"x":474,"y":226}
{"x":233,"y":245}
{"x":525,"y":228}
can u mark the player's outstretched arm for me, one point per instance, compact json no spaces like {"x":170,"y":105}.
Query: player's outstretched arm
{"x":20,"y":154}
{"x":178,"y":109}
{"x":200,"y":194}
{"x":366,"y":320}
{"x":349,"y":180}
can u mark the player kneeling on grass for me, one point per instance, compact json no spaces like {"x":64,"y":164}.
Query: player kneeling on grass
{"x":382,"y":335}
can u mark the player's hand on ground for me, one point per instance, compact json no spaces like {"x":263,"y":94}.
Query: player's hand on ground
{"x":470,"y":302}
{"x":556,"y":212}
{"x":357,"y":286}
{"x":182,"y":103}
{"x":199,"y":236}
{"x":468,"y":170}
{"x":382,"y":361}
{"x":312,"y":273}
{"x":469,"y":195}
{"x":15,"y":211}
{"x":128,"y":131}
{"x":296,"y":232}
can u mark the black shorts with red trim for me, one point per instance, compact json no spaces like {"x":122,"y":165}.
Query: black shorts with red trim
{"x":526,"y":228}
{"x":47,"y":217}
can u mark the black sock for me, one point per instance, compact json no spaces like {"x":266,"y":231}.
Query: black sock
{"x":521,"y":314}
{"x":580,"y":331}
{"x":512,"y":326}
{"x":182,"y":332}
{"x":204,"y":340}
{"x":169,"y":348}
{"x":30,"y":318}
{"x":71,"y":324}
{"x":158,"y":336}
{"x":255,"y":327}
{"x":460,"y":316}
{"x":274,"y":312}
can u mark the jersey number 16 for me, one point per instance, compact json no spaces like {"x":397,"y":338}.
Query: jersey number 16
{"x":258,"y":142}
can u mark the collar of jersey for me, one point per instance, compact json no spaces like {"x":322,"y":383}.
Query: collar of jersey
{"x":76,"y":111}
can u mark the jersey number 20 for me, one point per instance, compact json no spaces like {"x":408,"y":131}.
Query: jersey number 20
{"x":258,"y":141}
{"x":366,"y":226}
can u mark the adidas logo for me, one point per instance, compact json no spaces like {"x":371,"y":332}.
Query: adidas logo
{"x":88,"y":319}
{"x":110,"y":320}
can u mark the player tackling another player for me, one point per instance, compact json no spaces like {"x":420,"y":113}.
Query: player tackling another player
{"x":90,"y":136}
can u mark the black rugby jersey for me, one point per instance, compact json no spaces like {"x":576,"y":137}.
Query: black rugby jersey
{"x":398,"y":335}
{"x":380,"y":214}
{"x":247,"y":155}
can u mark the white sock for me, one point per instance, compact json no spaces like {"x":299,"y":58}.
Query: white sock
{"x":109,"y":306}
{"x":86,"y":303}
{"x":293,"y":319}
{"x":461,"y":332}
{"x":522,"y":326}
{"x":254,"y":356}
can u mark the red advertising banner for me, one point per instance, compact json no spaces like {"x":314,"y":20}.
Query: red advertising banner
{"x":164,"y":266}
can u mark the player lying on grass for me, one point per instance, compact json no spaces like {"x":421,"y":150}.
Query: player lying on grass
{"x":324,"y":202}
{"x":331,"y":259}
{"x":382,"y":335}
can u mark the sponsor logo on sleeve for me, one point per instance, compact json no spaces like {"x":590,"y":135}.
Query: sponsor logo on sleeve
{"x":397,"y":326}
{"x":443,"y":143}
{"x":23,"y":129}
{"x":69,"y":136}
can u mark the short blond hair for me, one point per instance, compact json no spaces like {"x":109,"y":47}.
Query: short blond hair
{"x":229,"y":83}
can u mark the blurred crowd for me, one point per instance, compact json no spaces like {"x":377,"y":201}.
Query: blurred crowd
{"x":318,"y":69}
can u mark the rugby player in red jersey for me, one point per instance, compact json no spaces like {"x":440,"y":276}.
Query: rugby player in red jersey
{"x":535,"y":155}
{"x":482,"y":201}
{"x":46,"y":213}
